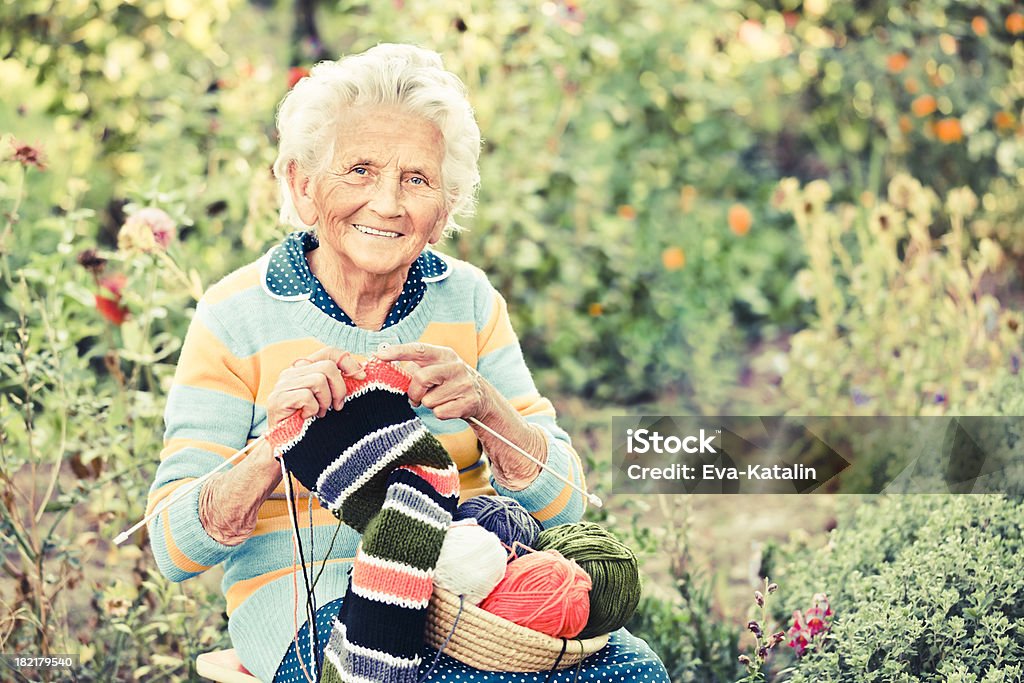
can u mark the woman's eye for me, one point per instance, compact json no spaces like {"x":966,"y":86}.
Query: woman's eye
{"x":418,"y":180}
{"x":360,"y":170}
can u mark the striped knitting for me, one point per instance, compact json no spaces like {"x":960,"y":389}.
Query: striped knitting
{"x":375,"y":466}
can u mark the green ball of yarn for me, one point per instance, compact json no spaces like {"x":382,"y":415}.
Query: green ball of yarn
{"x":612,"y":567}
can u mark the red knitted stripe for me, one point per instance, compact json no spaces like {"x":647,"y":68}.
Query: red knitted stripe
{"x":386,"y":581}
{"x":445,"y":482}
{"x":287,"y":430}
{"x":378,"y":371}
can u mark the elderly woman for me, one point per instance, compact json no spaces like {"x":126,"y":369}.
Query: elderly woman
{"x":378,"y":155}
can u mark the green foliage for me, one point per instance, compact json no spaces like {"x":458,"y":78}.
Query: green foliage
{"x":632,"y":152}
{"x":683,"y":625}
{"x":905,"y":322}
{"x":924,"y":588}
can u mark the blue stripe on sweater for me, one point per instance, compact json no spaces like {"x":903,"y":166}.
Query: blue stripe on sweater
{"x":207,"y":415}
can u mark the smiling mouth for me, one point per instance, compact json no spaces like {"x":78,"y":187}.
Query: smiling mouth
{"x":366,"y":230}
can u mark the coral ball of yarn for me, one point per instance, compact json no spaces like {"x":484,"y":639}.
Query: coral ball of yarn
{"x":611,"y":565}
{"x":543,"y":591}
{"x":472,"y":562}
{"x":503,"y":517}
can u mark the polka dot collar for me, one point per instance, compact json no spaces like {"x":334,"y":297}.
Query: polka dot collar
{"x":287,"y":276}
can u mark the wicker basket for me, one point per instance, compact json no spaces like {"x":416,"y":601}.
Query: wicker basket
{"x":486,"y":641}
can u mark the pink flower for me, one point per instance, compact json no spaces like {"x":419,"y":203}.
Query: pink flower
{"x":810,"y":624}
{"x":27,"y":155}
{"x":147,"y":230}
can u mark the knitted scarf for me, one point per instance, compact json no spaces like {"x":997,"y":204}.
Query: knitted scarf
{"x":376,"y":467}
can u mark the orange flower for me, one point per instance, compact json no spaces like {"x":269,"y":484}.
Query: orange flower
{"x":947,"y":44}
{"x":980,"y":26}
{"x":687,"y":195}
{"x":923,"y":105}
{"x":595,"y":309}
{"x":1015,"y":23}
{"x":740,"y":219}
{"x":905,"y":125}
{"x":897,"y":62}
{"x":1003,"y":120}
{"x":627,"y":212}
{"x":912,"y":86}
{"x":673,"y":258}
{"x":949,"y":130}
{"x":296,"y":74}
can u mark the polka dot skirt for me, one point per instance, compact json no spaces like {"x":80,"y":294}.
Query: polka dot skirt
{"x":625,"y":658}
{"x":288,"y":274}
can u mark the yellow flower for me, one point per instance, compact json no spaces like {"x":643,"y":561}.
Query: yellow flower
{"x":961,"y":201}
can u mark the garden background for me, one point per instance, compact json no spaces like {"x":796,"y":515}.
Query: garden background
{"x":728,"y":207}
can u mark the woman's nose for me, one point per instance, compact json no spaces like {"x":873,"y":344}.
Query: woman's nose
{"x":386,"y":198}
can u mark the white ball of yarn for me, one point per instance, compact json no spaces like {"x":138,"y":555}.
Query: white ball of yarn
{"x":472,"y":562}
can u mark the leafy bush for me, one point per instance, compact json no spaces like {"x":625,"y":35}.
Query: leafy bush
{"x":924,"y":588}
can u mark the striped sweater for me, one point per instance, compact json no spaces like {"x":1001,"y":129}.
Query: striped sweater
{"x":242,"y":337}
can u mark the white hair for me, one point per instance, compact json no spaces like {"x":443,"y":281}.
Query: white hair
{"x":404,"y":76}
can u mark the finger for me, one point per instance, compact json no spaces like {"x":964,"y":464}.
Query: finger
{"x":283,"y":403}
{"x":328,"y":353}
{"x":456,"y":408}
{"x":322,"y":379}
{"x":350,"y":367}
{"x":335,"y":383}
{"x":301,"y":362}
{"x":425,"y":379}
{"x":417,"y":352}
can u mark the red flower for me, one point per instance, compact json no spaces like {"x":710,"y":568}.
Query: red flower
{"x":110,"y":306}
{"x":296,"y":74}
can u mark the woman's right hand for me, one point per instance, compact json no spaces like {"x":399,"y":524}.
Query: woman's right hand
{"x":312,"y":385}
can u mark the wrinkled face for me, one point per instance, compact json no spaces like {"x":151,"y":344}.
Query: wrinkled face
{"x":381,"y":201}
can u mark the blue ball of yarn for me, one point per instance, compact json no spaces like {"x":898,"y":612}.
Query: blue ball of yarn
{"x":503,"y":517}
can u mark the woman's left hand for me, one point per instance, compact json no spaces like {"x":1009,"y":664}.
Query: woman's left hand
{"x":441,"y":381}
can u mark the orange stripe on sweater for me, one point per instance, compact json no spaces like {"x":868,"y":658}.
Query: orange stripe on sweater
{"x":240,"y":591}
{"x":180,"y":559}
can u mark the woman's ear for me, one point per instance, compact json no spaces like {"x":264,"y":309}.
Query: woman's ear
{"x":300,"y":186}
{"x":438,"y":231}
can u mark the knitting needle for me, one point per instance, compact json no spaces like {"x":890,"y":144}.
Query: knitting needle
{"x":188,"y":488}
{"x":184,"y":491}
{"x":592,"y":497}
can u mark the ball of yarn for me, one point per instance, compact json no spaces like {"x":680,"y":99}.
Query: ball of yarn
{"x":472,"y":562}
{"x":543,"y":591}
{"x":503,"y":517}
{"x":612,"y":567}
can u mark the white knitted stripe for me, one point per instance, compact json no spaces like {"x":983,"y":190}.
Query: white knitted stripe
{"x":285,"y":447}
{"x":341,"y":633}
{"x":389,"y":599}
{"x":344,"y":673}
{"x":427,"y":510}
{"x":383,"y":463}
{"x":372,"y":436}
{"x":375,"y":385}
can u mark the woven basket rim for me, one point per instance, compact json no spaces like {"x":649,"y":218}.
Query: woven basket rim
{"x":489,"y":642}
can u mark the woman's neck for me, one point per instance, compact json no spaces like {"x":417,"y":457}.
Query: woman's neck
{"x":365,"y":297}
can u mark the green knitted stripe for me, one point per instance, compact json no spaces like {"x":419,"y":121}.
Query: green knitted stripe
{"x":418,"y":544}
{"x":361,"y":505}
